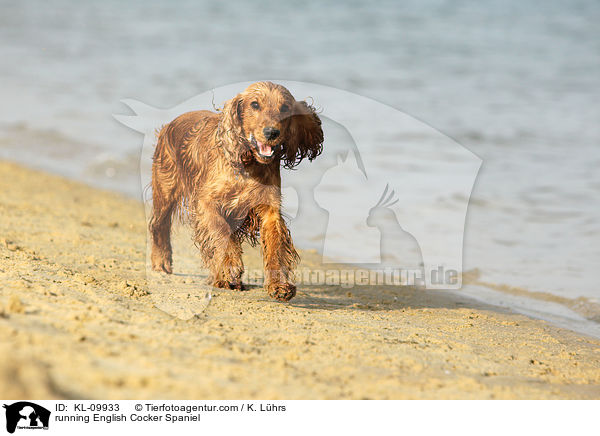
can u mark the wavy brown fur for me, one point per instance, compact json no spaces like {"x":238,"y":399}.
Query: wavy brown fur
{"x":207,"y":164}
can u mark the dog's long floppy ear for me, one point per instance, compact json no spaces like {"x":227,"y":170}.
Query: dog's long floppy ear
{"x":305,"y":138}
{"x":230,"y":134}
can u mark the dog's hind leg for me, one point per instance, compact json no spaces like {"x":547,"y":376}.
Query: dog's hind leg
{"x":165,"y":198}
{"x":160,"y":229}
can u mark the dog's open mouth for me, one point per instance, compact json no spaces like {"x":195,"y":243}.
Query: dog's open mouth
{"x":264,"y":150}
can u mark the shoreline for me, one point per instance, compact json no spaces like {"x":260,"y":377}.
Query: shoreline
{"x":79,"y":322}
{"x":580,"y":313}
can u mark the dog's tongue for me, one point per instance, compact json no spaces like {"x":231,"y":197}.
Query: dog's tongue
{"x":265,"y":149}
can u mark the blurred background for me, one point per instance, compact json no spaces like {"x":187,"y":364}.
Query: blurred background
{"x":516,"y":82}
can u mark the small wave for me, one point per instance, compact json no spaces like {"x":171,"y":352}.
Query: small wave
{"x":49,"y":142}
{"x":583,"y":306}
{"x":54,"y":151}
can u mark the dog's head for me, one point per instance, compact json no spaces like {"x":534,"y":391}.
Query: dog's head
{"x":265,"y":123}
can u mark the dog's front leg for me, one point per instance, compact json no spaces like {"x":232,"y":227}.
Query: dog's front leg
{"x":279,"y":255}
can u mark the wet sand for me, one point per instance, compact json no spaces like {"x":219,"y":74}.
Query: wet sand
{"x":77,"y":320}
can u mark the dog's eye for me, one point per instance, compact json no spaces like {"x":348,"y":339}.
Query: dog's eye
{"x":255,"y":105}
{"x":284,"y":108}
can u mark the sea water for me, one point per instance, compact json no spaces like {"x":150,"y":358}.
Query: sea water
{"x":515,"y":82}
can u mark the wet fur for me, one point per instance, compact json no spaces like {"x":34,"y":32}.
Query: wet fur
{"x":205,"y":165}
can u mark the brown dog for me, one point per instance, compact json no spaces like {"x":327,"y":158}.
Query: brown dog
{"x":224,"y":169}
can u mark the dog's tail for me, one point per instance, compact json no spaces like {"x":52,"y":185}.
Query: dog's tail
{"x":168,"y":162}
{"x":164,"y":144}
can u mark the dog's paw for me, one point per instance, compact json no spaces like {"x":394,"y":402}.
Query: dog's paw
{"x":162,"y":266}
{"x":282,"y":291}
{"x":224,"y":284}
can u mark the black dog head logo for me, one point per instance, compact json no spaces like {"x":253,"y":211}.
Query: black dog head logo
{"x":26,"y":414}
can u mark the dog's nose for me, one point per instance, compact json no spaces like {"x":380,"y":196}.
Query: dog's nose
{"x":271,"y":133}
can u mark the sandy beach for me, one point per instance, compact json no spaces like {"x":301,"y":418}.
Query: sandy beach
{"x":77,"y":320}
